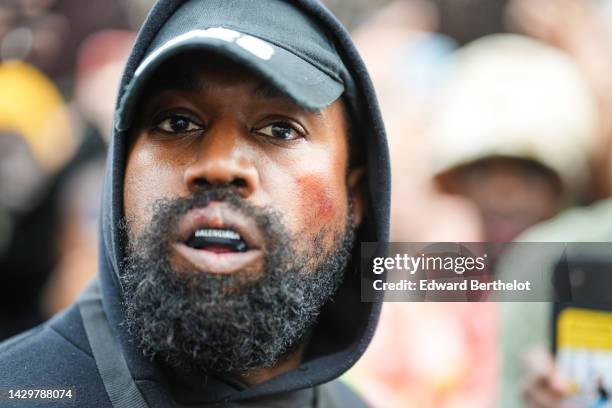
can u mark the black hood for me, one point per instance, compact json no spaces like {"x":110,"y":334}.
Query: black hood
{"x":346,"y":325}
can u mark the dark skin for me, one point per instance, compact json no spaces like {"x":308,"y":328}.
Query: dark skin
{"x":511,"y":194}
{"x":220,"y":124}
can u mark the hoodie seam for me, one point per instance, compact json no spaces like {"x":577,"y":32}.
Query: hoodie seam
{"x":71,"y":342}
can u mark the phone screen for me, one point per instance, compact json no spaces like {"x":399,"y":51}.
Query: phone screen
{"x":582,"y":327}
{"x":584,"y":354}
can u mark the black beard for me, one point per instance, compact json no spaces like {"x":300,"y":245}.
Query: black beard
{"x":236,"y":323}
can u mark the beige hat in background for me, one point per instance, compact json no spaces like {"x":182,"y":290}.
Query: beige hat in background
{"x":508,"y":95}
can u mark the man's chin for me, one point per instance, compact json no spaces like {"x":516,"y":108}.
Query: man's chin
{"x":214,"y":322}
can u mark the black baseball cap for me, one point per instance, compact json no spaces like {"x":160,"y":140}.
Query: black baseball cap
{"x":272,"y":37}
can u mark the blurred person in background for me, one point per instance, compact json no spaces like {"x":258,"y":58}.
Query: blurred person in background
{"x":38,"y":61}
{"x":581,"y":30}
{"x":36,"y":140}
{"x":425,"y":354}
{"x":434,"y":354}
{"x":47,"y":33}
{"x":513,"y":133}
{"x":529,"y":375}
{"x":76,"y":236}
{"x":409,"y":61}
{"x":398,"y":49}
{"x":100,"y":62}
{"x":409,"y":46}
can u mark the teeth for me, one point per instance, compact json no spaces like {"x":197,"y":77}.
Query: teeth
{"x":216,"y":233}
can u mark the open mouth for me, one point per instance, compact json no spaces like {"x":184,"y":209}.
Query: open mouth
{"x":219,"y":240}
{"x":215,"y":239}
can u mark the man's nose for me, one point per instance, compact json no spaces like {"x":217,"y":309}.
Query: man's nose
{"x":221,"y":160}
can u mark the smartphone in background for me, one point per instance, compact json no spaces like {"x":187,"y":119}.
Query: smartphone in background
{"x":582,"y":328}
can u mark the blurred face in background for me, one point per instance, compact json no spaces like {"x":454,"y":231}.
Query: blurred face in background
{"x":21,"y":176}
{"x":511,"y":194}
{"x":34,"y":31}
{"x":48,"y":33}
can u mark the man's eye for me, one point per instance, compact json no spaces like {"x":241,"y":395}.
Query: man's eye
{"x":178,"y":124}
{"x":281,"y":130}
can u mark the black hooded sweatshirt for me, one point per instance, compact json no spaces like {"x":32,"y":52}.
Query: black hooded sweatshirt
{"x":58,"y":355}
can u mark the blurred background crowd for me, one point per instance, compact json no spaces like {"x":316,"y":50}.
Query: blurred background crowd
{"x":499,"y":116}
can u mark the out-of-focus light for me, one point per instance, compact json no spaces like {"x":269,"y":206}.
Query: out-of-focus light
{"x":16,"y":44}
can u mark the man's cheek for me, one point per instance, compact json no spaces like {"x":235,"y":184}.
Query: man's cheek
{"x":139,"y":196}
{"x":319,"y":200}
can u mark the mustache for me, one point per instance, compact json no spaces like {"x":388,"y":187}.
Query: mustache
{"x":203,"y":197}
{"x":166,"y":213}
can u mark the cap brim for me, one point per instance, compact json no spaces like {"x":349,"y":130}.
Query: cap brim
{"x":303,"y":83}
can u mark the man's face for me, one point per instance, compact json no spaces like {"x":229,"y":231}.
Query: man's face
{"x":217,"y":124}
{"x":238,"y":216}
